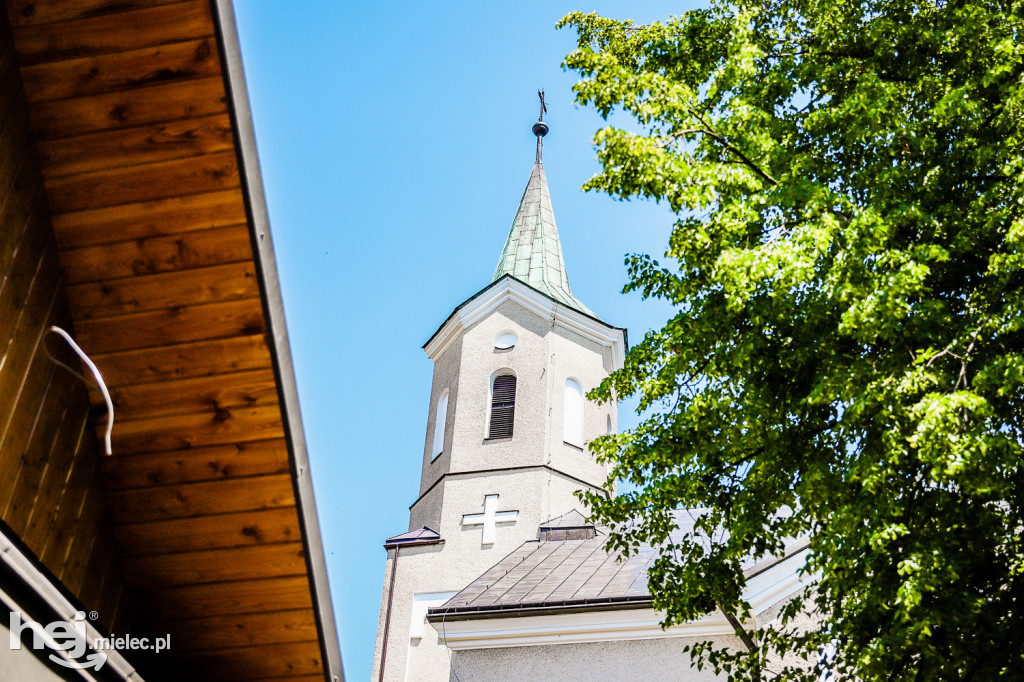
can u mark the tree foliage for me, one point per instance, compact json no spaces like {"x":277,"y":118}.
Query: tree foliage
{"x":847,"y":267}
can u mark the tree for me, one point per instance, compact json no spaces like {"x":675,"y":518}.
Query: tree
{"x":847,"y":267}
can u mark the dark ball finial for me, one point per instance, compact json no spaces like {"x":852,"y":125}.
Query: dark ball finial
{"x":540,"y":128}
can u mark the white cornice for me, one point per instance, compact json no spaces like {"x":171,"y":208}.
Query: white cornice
{"x":511,"y":289}
{"x":595,"y":625}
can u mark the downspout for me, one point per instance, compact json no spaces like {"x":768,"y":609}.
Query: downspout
{"x":387,"y":615}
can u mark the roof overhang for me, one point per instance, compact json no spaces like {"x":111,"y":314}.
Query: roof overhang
{"x":277,"y":335}
{"x":508,"y":288}
{"x":610,"y":621}
{"x":141,"y":121}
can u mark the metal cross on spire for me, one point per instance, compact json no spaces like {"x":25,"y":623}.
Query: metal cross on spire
{"x":540,"y":128}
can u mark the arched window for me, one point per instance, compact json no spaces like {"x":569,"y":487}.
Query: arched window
{"x":440,"y":419}
{"x":503,"y":406}
{"x":572,"y":431}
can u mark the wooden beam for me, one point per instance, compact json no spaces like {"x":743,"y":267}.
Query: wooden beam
{"x":256,"y":458}
{"x":194,"y":175}
{"x":253,"y":629}
{"x":181,"y":361}
{"x":216,"y":427}
{"x":142,"y":401}
{"x":157,"y":254}
{"x":171,"y":326}
{"x":247,"y":596}
{"x":126,"y":108}
{"x":124,"y":147}
{"x":208,"y":532}
{"x":214,"y":566}
{"x":157,"y":218}
{"x":29,"y":12}
{"x":107,"y":33}
{"x":198,"y":499}
{"x":121,"y":71}
{"x":247,"y":663}
{"x":229,"y":282}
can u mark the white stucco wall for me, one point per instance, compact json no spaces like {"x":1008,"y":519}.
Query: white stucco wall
{"x":653,"y":660}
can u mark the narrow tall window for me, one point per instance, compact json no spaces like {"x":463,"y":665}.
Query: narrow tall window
{"x":503,"y":406}
{"x":572,"y":429}
{"x":440,"y":419}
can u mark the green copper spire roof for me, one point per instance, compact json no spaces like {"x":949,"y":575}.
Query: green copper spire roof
{"x":533,"y":253}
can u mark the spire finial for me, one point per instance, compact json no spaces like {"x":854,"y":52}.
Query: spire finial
{"x":540,"y":128}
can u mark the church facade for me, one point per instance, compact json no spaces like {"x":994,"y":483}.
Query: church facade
{"x":501,"y":576}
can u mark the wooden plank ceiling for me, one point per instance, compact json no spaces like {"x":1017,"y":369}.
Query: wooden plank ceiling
{"x":130,"y":117}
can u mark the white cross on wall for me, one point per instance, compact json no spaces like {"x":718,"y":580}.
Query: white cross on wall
{"x":489,"y":518}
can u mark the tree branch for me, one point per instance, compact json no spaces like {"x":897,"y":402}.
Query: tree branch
{"x":747,"y":640}
{"x":713,"y":134}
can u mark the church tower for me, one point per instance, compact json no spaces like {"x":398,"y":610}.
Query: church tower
{"x":507,"y":432}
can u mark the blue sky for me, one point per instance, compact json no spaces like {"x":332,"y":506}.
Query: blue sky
{"x":395,"y":144}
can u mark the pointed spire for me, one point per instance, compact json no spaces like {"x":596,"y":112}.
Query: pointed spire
{"x":533,"y":253}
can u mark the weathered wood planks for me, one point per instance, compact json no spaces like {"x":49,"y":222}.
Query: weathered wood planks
{"x":104,"y":73}
{"x":134,"y":165}
{"x":202,"y":499}
{"x":218,"y":599}
{"x":158,"y":218}
{"x":144,"y":293}
{"x":245,"y":663}
{"x":193,"y":465}
{"x":114,"y":110}
{"x":29,"y":12}
{"x":233,"y":529}
{"x":111,"y":149}
{"x":214,"y":565}
{"x":107,"y":33}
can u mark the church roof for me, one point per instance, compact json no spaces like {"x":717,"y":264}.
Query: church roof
{"x":553,"y":573}
{"x":560,"y":573}
{"x":533,"y":252}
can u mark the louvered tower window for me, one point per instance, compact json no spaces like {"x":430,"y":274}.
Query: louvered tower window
{"x":503,"y":406}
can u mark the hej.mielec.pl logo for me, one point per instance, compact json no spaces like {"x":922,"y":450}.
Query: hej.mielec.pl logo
{"x":72,"y":640}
